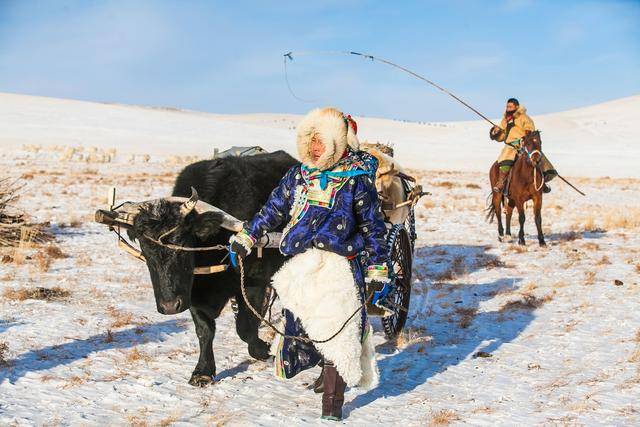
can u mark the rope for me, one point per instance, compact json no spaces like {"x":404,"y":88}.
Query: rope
{"x":282,"y":334}
{"x":289,"y":55}
{"x":244,"y":291}
{"x":535,"y":175}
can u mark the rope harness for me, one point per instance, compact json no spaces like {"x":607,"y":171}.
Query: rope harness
{"x":535,"y":168}
{"x":137,"y":254}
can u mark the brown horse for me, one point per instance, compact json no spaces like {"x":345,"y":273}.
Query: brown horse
{"x":526,"y":183}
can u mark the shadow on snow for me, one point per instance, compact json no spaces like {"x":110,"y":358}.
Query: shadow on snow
{"x":64,"y":354}
{"x":403,"y":371}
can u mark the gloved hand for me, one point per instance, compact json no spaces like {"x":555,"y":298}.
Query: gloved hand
{"x":240,"y":245}
{"x":496,"y":133}
{"x":380,"y":291}
{"x":379,"y":283}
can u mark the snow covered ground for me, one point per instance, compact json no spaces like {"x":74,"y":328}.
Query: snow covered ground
{"x":557,"y":339}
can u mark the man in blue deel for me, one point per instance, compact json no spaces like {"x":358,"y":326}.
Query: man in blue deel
{"x":335,"y":235}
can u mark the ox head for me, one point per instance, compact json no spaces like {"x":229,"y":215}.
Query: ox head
{"x":161,"y":227}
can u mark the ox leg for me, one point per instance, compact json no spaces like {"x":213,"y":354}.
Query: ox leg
{"x":521,"y":218}
{"x":205,"y":370}
{"x":247,"y":323}
{"x":537,"y":211}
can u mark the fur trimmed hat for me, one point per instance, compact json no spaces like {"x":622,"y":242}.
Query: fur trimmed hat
{"x":334,"y":131}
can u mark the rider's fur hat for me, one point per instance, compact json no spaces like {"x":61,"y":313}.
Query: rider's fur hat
{"x":335,"y":133}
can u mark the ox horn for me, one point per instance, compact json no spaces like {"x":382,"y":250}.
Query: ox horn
{"x":190,"y":204}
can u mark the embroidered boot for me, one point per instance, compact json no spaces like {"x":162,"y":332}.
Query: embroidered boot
{"x":333,"y":394}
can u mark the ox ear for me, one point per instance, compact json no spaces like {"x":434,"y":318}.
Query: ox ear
{"x":206,"y":224}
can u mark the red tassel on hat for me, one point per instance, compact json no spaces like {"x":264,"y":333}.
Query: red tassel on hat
{"x":353,"y":123}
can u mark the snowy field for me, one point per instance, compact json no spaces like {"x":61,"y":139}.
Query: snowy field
{"x":498,"y":334}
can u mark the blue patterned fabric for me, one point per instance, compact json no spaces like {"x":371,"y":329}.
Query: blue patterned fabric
{"x":337,"y":211}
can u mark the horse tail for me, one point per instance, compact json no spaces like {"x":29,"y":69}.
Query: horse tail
{"x":490,"y":209}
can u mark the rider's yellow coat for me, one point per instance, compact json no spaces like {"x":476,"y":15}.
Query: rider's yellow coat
{"x":521,"y":125}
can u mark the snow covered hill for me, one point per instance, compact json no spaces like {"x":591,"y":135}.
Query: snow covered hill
{"x":600,"y":140}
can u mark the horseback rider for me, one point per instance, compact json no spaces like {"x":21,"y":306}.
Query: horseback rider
{"x":515,"y":125}
{"x":335,"y":235}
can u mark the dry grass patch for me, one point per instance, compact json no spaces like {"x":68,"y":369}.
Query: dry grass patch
{"x":443,"y":418}
{"x":456,"y":269}
{"x":527,"y":302}
{"x":39,"y":293}
{"x":54,"y":252}
{"x":519,"y":249}
{"x":4,"y":349}
{"x":445,"y":184}
{"x":119,"y":318}
{"x":411,"y":336}
{"x":466,"y":316}
{"x":136,"y":355}
{"x":591,"y":246}
{"x":589,"y":277}
{"x":627,"y":218}
{"x":170,"y":420}
{"x":75,"y":381}
{"x":429,"y":204}
{"x":84,"y":260}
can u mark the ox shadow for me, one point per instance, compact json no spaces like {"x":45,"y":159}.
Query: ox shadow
{"x":403,"y":371}
{"x":230,"y":373}
{"x":63,"y":354}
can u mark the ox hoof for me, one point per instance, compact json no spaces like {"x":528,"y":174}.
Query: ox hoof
{"x":259,"y":350}
{"x":201,"y":380}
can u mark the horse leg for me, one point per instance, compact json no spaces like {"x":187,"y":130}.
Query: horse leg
{"x":521,"y":218}
{"x":508,"y":215}
{"x":537,"y":210}
{"x":497,"y":201}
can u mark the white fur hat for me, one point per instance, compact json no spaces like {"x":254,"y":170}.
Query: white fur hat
{"x":332,"y":127}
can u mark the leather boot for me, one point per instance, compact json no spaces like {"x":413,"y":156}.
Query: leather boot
{"x":502,"y":180}
{"x":333,"y":394}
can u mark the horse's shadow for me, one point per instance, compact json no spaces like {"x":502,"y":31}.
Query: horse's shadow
{"x":56,"y":355}
{"x":404,"y":370}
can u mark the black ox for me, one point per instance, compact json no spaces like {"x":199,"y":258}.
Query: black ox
{"x":239,"y":186}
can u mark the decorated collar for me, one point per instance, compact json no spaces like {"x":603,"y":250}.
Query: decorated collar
{"x":348,"y":167}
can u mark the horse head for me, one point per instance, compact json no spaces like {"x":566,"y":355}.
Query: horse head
{"x":532,"y":147}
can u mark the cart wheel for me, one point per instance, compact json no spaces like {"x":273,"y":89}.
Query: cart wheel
{"x":400,"y":265}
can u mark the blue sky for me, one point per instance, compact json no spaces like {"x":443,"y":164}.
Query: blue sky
{"x":227,"y":56}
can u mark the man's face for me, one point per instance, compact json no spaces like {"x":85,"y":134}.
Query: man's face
{"x":317,"y":147}
{"x":511,"y":108}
